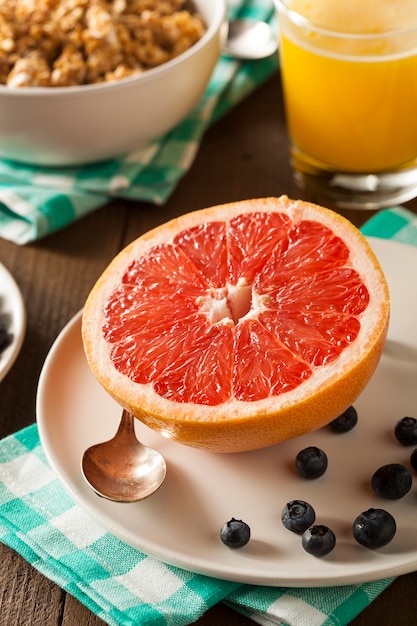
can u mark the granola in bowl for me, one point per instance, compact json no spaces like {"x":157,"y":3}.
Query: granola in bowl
{"x":59,"y":43}
{"x":85,"y":108}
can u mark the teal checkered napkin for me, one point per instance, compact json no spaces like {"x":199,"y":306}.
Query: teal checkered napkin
{"x":123,"y":586}
{"x":397,"y":224}
{"x":36,"y":201}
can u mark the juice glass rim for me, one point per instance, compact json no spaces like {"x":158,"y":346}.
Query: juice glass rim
{"x":304,"y":22}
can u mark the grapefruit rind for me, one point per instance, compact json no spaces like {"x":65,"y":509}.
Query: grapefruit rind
{"x":237,"y":426}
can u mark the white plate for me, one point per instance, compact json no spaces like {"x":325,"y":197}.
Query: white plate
{"x":12,"y":313}
{"x":180,"y":523}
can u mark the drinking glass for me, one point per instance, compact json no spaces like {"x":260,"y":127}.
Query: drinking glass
{"x":349,"y":75}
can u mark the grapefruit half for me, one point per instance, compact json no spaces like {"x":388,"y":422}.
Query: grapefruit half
{"x":239,"y":326}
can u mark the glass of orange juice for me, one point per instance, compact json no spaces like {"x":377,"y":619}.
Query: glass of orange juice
{"x":349,"y":75}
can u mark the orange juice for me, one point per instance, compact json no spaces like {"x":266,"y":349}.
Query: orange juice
{"x":351,"y":99}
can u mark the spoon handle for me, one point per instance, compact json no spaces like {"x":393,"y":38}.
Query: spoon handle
{"x":127,"y":424}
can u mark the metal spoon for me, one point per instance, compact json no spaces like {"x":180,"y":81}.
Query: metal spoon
{"x":122,"y":469}
{"x":250,"y":39}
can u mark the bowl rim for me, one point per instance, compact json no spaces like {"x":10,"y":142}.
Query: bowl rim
{"x":148,"y":75}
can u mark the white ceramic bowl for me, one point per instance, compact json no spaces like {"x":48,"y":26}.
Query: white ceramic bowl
{"x":75,"y":125}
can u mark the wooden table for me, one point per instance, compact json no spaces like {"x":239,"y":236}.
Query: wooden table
{"x":245,"y":155}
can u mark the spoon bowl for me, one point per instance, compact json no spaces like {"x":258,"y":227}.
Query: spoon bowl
{"x":122,"y":469}
{"x":250,"y":39}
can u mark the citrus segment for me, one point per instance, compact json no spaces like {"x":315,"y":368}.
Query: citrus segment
{"x":205,"y":246}
{"x":251,"y":239}
{"x":239,"y":326}
{"x":259,"y":370}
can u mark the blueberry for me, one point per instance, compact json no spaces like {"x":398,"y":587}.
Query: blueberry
{"x":413,"y":460}
{"x":311,"y":462}
{"x":5,"y":338}
{"x":345,"y":422}
{"x":235,"y":533}
{"x":318,"y":540}
{"x":406,"y":431}
{"x":391,"y":481}
{"x":297,"y":516}
{"x":374,"y":528}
